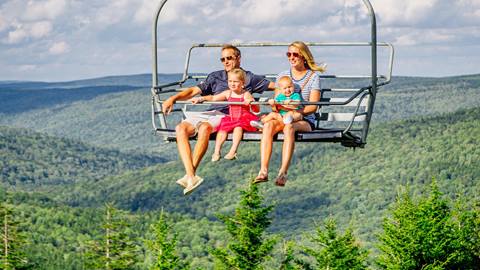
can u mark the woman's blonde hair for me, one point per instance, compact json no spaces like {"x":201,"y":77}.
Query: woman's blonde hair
{"x":307,"y":55}
{"x":240,"y":74}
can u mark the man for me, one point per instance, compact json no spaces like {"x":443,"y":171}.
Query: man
{"x":202,"y":124}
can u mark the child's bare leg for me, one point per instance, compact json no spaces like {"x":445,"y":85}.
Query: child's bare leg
{"x":296,"y":116}
{"x":272,"y":116}
{"x":237,"y":137}
{"x":221,"y":138}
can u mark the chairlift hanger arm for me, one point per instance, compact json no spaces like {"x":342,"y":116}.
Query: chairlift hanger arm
{"x":361,"y":98}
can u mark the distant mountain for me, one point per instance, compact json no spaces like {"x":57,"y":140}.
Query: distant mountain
{"x":31,"y":160}
{"x":119,"y":116}
{"x":137,"y":80}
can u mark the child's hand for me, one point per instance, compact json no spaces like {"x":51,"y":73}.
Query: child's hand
{"x":196,"y":100}
{"x":271,"y":102}
{"x":286,"y":102}
{"x":247,"y":101}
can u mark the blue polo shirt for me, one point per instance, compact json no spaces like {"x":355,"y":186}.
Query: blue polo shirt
{"x":217,"y":82}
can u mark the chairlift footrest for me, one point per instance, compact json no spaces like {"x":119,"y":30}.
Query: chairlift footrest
{"x":323,"y":135}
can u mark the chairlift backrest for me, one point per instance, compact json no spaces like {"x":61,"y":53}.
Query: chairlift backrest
{"x":343,"y":114}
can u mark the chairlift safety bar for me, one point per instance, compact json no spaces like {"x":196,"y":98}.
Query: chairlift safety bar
{"x":345,"y":137}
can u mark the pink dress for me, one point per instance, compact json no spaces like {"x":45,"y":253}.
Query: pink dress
{"x":240,"y":116}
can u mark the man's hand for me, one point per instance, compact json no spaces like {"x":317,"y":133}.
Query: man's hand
{"x":167,"y":105}
{"x":196,"y":100}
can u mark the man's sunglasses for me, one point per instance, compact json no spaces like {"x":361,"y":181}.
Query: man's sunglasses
{"x":294,"y":54}
{"x":231,"y":57}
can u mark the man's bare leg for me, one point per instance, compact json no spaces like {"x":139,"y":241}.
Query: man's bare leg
{"x":204,"y":131}
{"x":184,"y":130}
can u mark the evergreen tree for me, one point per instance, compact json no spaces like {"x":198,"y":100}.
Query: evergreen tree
{"x":290,"y":261}
{"x":164,"y":246}
{"x":13,"y":240}
{"x":248,"y":247}
{"x":336,"y":251}
{"x":428,"y":234}
{"x":116,"y":250}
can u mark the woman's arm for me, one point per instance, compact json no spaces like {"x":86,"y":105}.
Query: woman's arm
{"x":314,"y":97}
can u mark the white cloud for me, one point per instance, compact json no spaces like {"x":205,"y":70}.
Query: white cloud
{"x":40,"y":29}
{"x":3,"y":23}
{"x":41,"y":10}
{"x":112,"y":12}
{"x":104,"y":32}
{"x":59,"y":48}
{"x":21,"y":32}
{"x":16,"y":36}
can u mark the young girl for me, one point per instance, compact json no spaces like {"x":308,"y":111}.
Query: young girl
{"x":239,"y":116}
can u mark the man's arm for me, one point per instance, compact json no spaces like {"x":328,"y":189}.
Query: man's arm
{"x":184,"y":95}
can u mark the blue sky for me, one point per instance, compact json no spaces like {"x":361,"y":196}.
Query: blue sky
{"x":59,"y":40}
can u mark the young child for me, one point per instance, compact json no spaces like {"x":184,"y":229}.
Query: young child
{"x":287,"y":112}
{"x":239,"y":116}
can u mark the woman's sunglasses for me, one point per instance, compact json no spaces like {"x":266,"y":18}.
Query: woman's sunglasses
{"x":231,"y":57}
{"x":294,"y":54}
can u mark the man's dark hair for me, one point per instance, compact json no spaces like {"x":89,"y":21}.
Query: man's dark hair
{"x":231,"y":47}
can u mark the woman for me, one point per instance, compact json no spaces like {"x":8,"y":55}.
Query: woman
{"x":307,"y":82}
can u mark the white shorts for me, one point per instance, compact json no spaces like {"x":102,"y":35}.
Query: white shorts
{"x":196,"y":118}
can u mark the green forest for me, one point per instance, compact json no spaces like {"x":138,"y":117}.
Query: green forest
{"x":80,"y":166}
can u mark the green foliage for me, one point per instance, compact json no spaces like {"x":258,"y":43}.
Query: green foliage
{"x":336,"y":251}
{"x":116,"y":250}
{"x":33,"y":160}
{"x":13,"y":239}
{"x":428,"y":234}
{"x":249,"y":246}
{"x":324,"y":180}
{"x":290,"y":260}
{"x":164,"y":246}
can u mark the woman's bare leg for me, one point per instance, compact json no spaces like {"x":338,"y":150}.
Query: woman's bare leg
{"x":272,"y":116}
{"x":270,"y":128}
{"x":289,"y":142}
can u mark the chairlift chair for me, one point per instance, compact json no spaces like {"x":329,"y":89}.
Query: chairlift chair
{"x":333,"y":123}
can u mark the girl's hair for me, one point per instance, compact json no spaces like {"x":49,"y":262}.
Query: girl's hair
{"x":307,"y":55}
{"x":239,"y":72}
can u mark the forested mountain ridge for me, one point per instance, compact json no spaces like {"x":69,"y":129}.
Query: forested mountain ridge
{"x":122,"y":119}
{"x":325,"y":179}
{"x":30,"y":159}
{"x":61,"y":185}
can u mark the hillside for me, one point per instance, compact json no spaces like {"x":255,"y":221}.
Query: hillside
{"x":62,"y":184}
{"x":121,"y":119}
{"x":31,"y":160}
{"x":325,"y":180}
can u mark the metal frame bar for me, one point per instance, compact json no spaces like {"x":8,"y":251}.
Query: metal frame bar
{"x":372,"y":88}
